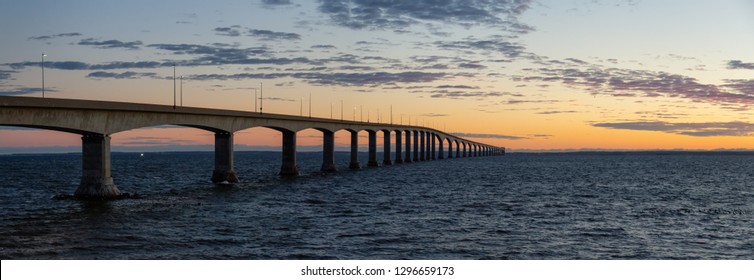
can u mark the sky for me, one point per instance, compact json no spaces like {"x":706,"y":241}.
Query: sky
{"x":525,"y":75}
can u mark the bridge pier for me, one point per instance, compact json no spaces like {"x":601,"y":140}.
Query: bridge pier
{"x":408,"y":147}
{"x":450,"y":149}
{"x":458,"y":149}
{"x":386,"y":150}
{"x":398,"y":147}
{"x":422,"y":154}
{"x":289,"y":168}
{"x":354,"y":151}
{"x":224,"y":159}
{"x":96,"y":180}
{"x":430,"y":146}
{"x":416,"y":146}
{"x":440,"y":150}
{"x":328,"y":152}
{"x":372,"y":149}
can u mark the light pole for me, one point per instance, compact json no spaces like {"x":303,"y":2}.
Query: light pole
{"x":310,"y":104}
{"x":174,"y":86}
{"x":181,"y":91}
{"x":341,"y":110}
{"x":43,"y":75}
{"x":261,"y":98}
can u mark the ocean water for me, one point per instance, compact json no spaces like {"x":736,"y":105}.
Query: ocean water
{"x":519,"y":206}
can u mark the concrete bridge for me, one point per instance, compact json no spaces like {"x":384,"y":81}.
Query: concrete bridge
{"x":96,"y":121}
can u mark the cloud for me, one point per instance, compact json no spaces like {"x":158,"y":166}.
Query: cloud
{"x":272,"y":35}
{"x":279,"y":99}
{"x":276,"y":2}
{"x":110,"y":44}
{"x":369,"y":79}
{"x":128,"y":65}
{"x":341,"y":79}
{"x":434,"y":115}
{"x":555,"y":112}
{"x":621,"y":82}
{"x":379,"y":14}
{"x":218,"y":55}
{"x":741,"y":85}
{"x":124,"y":75}
{"x":47,"y":37}
{"x":471,"y":66}
{"x":690,"y":129}
{"x":5,"y":74}
{"x":228,"y":31}
{"x":154,"y":141}
{"x":323,"y":47}
{"x":521,"y":101}
{"x":456,"y":87}
{"x":462,"y":94}
{"x":737,"y":64}
{"x":61,"y":65}
{"x":496,"y":44}
{"x":25,"y":90}
{"x":490,"y":136}
{"x":205,"y":55}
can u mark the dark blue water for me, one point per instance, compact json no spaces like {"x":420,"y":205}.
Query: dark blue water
{"x":520,"y":206}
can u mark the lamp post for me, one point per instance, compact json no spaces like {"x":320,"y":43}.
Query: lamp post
{"x":43,"y":75}
{"x":181,"y":91}
{"x":174,"y":86}
{"x":261,"y":98}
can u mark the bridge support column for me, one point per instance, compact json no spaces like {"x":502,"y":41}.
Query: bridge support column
{"x":440,"y":150}
{"x":289,"y":168}
{"x":423,"y":145}
{"x":224,"y":159}
{"x":432,"y":147}
{"x":328,"y":152}
{"x":372,"y":149}
{"x":416,"y":146}
{"x":408,"y":147}
{"x":354,"y":151}
{"x":386,"y":151}
{"x":464,"y":150}
{"x":96,"y":181}
{"x":398,"y":146}
{"x":450,"y":149}
{"x":458,"y":150}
